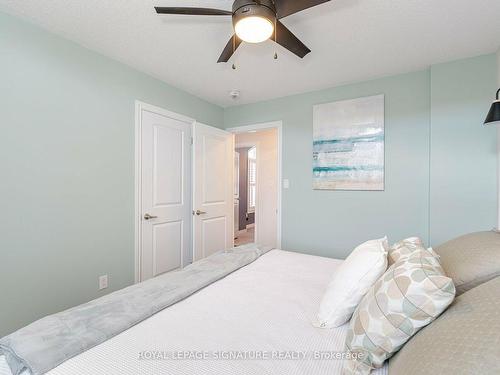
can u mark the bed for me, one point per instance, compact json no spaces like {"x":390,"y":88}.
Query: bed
{"x":265,"y":309}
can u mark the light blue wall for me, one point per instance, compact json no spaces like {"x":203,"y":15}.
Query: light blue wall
{"x":67,"y":169}
{"x":331,"y":223}
{"x":67,"y":165}
{"x":458,"y":194}
{"x":463,"y":153}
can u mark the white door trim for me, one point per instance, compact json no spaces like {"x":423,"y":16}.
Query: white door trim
{"x":263,"y":126}
{"x":139,"y":107}
{"x":498,"y":150}
{"x":257,"y":190}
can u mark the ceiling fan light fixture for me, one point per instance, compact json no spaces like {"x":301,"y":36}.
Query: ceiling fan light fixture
{"x":255,"y":21}
{"x":254,"y":29}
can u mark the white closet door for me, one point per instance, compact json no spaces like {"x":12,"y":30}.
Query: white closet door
{"x":213,"y":202}
{"x":166,"y":193}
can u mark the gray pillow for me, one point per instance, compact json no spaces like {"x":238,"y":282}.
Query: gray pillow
{"x":464,"y":340}
{"x":471,"y":260}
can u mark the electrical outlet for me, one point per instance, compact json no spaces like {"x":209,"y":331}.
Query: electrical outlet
{"x":286,"y":183}
{"x":103,"y":282}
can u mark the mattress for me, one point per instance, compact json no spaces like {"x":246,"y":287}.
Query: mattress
{"x":255,"y":321}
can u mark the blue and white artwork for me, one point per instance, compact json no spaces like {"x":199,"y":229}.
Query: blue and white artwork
{"x":348,"y":145}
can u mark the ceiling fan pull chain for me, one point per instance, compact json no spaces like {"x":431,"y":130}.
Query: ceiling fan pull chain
{"x":234,"y":49}
{"x":275,"y":38}
{"x":275,"y":30}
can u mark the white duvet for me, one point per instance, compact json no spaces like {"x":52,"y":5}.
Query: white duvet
{"x":255,"y":321}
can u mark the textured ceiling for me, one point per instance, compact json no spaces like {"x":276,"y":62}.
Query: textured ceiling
{"x":351,"y":40}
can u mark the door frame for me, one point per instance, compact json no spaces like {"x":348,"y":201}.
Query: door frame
{"x":278,"y":125}
{"x":257,"y":190}
{"x":139,"y":107}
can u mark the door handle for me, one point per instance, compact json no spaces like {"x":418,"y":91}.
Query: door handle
{"x":198,"y":213}
{"x":149,"y":217}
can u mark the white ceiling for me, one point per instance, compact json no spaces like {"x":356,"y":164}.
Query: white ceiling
{"x":351,"y":40}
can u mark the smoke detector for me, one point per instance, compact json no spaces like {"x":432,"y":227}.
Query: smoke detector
{"x":234,"y":94}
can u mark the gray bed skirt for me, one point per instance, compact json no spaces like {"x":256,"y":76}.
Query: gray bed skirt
{"x":50,"y":341}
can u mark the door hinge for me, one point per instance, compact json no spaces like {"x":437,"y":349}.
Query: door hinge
{"x":192,"y":141}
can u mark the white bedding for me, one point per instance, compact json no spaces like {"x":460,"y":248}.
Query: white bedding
{"x":265,"y":309}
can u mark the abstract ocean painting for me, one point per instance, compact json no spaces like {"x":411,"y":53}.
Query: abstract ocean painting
{"x":348,"y":144}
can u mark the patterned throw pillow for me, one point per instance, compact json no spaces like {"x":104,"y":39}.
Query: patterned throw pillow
{"x":403,"y":249}
{"x":412,"y":293}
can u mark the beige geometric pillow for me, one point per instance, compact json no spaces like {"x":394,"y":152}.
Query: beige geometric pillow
{"x":403,"y":249}
{"x":411,"y":294}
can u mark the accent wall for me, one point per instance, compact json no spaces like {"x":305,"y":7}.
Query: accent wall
{"x":440,"y":161}
{"x":67,"y":165}
{"x":67,"y":169}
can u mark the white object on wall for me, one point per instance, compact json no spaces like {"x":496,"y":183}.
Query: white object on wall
{"x":348,"y":144}
{"x":103,"y":282}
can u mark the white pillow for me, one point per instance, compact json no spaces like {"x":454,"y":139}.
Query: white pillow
{"x":352,"y":280}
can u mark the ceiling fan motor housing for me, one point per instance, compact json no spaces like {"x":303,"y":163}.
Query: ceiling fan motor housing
{"x":249,"y":8}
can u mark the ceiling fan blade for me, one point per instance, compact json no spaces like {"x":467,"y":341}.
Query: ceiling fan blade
{"x":287,"y":7}
{"x":285,"y":37}
{"x":231,"y":46}
{"x":193,"y":11}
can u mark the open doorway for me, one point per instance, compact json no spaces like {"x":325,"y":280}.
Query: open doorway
{"x":245,"y":193}
{"x":257,"y":185}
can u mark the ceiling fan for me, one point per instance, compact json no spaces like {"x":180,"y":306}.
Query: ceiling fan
{"x":255,"y":21}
